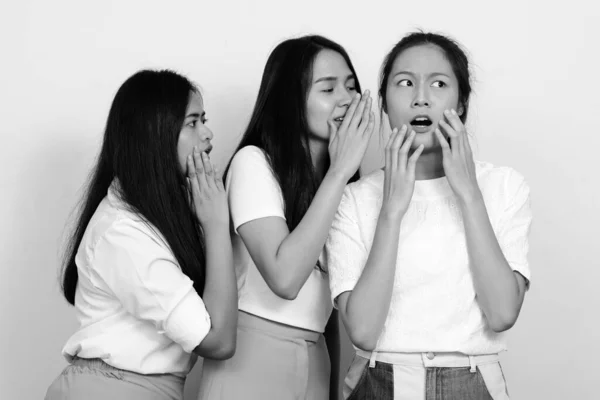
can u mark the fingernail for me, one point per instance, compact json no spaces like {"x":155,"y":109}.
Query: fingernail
{"x":446,"y":112}
{"x":357,"y":96}
{"x":453,"y":112}
{"x":367,"y":92}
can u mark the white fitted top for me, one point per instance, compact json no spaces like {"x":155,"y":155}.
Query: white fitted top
{"x":136,"y":309}
{"x":254,"y":193}
{"x":433,"y":305}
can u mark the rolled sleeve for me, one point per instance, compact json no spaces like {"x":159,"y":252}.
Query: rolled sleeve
{"x":513,"y":236}
{"x":345,"y":250}
{"x":253,"y":190}
{"x":142,"y":273}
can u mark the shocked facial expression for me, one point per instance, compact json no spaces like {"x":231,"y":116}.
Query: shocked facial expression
{"x":420,"y":87}
{"x":333,"y":86}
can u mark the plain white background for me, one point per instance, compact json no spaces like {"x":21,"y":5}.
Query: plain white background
{"x":536,"y":109}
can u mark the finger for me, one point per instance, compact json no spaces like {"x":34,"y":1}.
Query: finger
{"x":389,"y":160}
{"x":358,"y":112}
{"x":333,"y":131}
{"x":192,"y":176}
{"x":406,"y":148}
{"x":370,"y":125}
{"x":219,"y":179}
{"x":453,"y":136}
{"x":365,"y":118}
{"x":412,"y":160}
{"x":198,"y":165}
{"x":454,"y":121}
{"x":396,"y":145}
{"x":208,"y":169}
{"x":350,"y":111}
{"x":443,"y":143}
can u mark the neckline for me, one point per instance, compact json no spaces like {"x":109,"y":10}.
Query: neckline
{"x":432,"y":188}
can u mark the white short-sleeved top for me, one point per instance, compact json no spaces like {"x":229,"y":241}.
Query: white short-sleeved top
{"x":433,"y":305}
{"x":254,"y":193}
{"x":137,"y":310}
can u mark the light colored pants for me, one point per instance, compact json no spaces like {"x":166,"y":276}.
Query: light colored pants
{"x":272,"y":361}
{"x":426,"y":376}
{"x":93,"y":379}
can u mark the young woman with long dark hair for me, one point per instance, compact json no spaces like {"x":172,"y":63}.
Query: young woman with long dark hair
{"x":149,"y":263}
{"x":306,"y":138}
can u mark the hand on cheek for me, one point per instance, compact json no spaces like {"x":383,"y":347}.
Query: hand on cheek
{"x":458,"y":157}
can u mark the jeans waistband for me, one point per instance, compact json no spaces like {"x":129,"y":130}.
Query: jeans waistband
{"x":429,"y":359}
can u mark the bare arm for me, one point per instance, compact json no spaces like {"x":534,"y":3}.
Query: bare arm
{"x":365,"y":308}
{"x":286,"y":259}
{"x":500,"y":291}
{"x":220,"y":289}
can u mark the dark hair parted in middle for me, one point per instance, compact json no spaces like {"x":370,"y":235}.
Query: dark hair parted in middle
{"x":454,"y":54}
{"x":279,"y":123}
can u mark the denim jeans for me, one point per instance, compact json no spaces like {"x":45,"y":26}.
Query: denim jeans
{"x":387,"y":381}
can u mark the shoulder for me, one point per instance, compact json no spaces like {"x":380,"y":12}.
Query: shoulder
{"x":119,"y":227}
{"x":249,"y":154}
{"x":500,"y":180}
{"x":368,"y":185}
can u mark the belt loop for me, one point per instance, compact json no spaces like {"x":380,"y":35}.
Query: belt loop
{"x":472,"y":362}
{"x":372,"y":359}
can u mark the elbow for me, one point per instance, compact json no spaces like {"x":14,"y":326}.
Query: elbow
{"x":364,"y":340}
{"x":225,"y":349}
{"x":285,"y":290}
{"x":502,"y":321}
{"x":224,"y":352}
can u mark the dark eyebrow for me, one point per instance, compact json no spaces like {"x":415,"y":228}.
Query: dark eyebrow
{"x":196,"y":115}
{"x":333,"y":78}
{"x":413,"y":74}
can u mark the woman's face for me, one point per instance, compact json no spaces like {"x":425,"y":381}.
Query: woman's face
{"x":194,"y":131}
{"x":420,"y":87}
{"x":332,"y":88}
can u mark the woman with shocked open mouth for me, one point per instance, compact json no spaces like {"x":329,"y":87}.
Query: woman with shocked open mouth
{"x":428,"y":258}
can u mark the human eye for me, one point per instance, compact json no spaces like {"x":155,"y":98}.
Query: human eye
{"x":192,"y":123}
{"x":404,"y":82}
{"x":439,"y":84}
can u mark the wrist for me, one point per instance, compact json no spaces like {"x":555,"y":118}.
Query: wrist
{"x":338,"y":176}
{"x":389,"y":212}
{"x":471,"y":198}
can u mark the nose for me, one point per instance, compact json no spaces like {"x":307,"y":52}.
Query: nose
{"x":421,"y":97}
{"x":206,"y":134}
{"x":345,"y":98}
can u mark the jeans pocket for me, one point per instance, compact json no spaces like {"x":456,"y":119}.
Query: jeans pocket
{"x":494,"y":380}
{"x":355,"y":376}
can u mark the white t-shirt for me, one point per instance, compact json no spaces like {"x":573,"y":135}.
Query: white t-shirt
{"x":254,"y":193}
{"x":137,"y":310}
{"x":433,"y":305}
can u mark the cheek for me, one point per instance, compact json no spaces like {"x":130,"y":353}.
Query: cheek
{"x":397,"y":110}
{"x":185,"y":146}
{"x":318,"y":112}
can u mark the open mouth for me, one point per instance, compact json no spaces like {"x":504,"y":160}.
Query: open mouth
{"x":422,"y":122}
{"x":339,"y":120}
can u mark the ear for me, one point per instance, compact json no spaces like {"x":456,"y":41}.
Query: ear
{"x":461,"y":109}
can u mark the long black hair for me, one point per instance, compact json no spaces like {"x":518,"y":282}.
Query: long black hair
{"x":140,"y":151}
{"x":454,"y":54}
{"x":279,"y":123}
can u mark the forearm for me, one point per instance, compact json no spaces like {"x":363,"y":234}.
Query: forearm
{"x":369,"y":302}
{"x":498,"y":292}
{"x":220,"y":294}
{"x":332,"y":339}
{"x":299,"y":251}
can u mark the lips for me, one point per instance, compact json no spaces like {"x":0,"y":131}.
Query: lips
{"x":421,"y":121}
